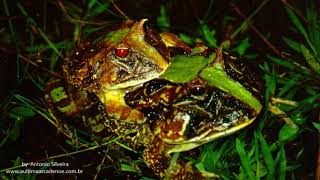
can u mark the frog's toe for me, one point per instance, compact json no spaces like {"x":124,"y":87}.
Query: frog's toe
{"x":155,"y":158}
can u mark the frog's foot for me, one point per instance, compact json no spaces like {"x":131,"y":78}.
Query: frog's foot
{"x":156,"y":157}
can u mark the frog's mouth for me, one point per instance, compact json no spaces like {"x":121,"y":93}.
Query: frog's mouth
{"x":136,"y":80}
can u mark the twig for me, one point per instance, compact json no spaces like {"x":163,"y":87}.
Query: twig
{"x":99,"y":167}
{"x":42,"y":68}
{"x":257,"y":31}
{"x":294,"y":10}
{"x":119,"y":10}
{"x":72,"y":20}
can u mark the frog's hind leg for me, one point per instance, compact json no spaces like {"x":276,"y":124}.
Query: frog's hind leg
{"x":158,"y":160}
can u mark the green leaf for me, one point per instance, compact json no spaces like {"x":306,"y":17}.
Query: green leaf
{"x":21,"y":112}
{"x":217,"y":77}
{"x":41,"y":32}
{"x":187,"y":39}
{"x":282,"y":62}
{"x":200,"y":166}
{"x":266,"y":152}
{"x":282,"y":164}
{"x":242,"y":47}
{"x":313,"y":25}
{"x":206,"y":155}
{"x":311,"y":60}
{"x":42,"y":47}
{"x":126,"y":167}
{"x":291,"y":65}
{"x":163,"y":20}
{"x":271,"y":81}
{"x":244,"y":160}
{"x":300,"y":27}
{"x":147,"y":178}
{"x":208,"y":35}
{"x":14,"y":132}
{"x":316,"y":125}
{"x":298,"y":118}
{"x":288,"y":133}
{"x":100,"y":8}
{"x":91,"y":3}
{"x":292,"y":44}
{"x":299,"y":154}
{"x":289,"y":85}
{"x":211,"y":158}
{"x":184,"y":68}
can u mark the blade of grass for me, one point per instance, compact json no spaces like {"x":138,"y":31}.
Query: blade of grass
{"x":245,"y":160}
{"x":282,"y":164}
{"x":99,"y":9}
{"x":42,"y":34}
{"x":256,"y":154}
{"x":291,"y":65}
{"x":311,"y":60}
{"x":266,"y":152}
{"x":271,"y":82}
{"x":128,"y":168}
{"x":13,"y":37}
{"x":282,"y":62}
{"x":313,"y":28}
{"x":293,"y":44}
{"x":208,"y":35}
{"x":295,"y":20}
{"x":246,"y":22}
{"x":289,"y":85}
{"x":43,"y":47}
{"x":163,"y":20}
{"x":220,"y":152}
{"x":262,"y":37}
{"x":39,"y":86}
{"x":242,"y":47}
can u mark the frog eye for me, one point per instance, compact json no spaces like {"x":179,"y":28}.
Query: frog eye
{"x":198,"y":90}
{"x":153,"y":86}
{"x":121,"y":52}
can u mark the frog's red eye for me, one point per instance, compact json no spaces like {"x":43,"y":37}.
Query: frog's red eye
{"x":121,"y":52}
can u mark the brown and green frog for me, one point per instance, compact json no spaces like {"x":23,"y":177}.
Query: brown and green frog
{"x":164,"y":95}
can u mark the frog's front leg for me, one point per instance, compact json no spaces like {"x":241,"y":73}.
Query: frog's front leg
{"x":64,"y":100}
{"x":117,"y":108}
{"x":124,"y":120}
{"x":156,"y":158}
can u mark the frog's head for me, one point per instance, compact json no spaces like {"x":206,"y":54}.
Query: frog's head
{"x":124,"y":57}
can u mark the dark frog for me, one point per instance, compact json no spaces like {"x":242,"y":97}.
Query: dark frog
{"x":158,"y":93}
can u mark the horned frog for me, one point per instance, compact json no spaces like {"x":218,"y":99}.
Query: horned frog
{"x":124,"y":68}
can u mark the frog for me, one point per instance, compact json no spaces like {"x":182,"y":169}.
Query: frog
{"x":121,"y":73}
{"x":188,"y":115}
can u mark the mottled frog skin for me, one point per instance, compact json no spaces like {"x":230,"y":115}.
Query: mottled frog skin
{"x":121,"y":71}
